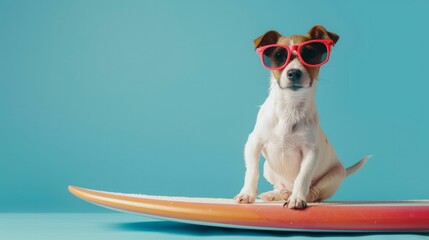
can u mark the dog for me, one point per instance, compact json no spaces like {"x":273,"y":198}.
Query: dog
{"x":300,"y":162}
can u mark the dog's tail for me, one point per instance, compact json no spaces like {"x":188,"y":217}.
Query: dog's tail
{"x":357,"y":166}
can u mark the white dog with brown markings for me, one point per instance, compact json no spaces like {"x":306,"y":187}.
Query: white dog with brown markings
{"x":300,"y":163}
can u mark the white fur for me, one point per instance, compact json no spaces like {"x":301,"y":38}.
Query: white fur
{"x":300,"y":162}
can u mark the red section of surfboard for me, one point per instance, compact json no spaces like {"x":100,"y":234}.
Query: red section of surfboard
{"x":327,"y":216}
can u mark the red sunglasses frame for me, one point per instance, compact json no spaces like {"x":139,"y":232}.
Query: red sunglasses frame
{"x":328,"y":43}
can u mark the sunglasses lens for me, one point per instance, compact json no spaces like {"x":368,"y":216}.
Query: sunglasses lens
{"x":275,"y":57}
{"x":314,"y":53}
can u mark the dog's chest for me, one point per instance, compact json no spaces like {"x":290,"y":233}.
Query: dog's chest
{"x":285,"y":129}
{"x":283,"y":148}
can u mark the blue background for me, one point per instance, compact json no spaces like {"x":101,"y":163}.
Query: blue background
{"x":158,"y":97}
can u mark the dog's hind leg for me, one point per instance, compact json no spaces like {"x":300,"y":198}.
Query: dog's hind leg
{"x":326,"y":186}
{"x":279,"y":192}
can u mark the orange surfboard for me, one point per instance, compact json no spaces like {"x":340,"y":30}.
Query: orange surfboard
{"x":395,"y":216}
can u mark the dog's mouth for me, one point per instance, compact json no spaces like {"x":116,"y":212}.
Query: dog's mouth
{"x":295,"y":87}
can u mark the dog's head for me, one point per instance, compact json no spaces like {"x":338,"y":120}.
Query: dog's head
{"x":296,"y":66}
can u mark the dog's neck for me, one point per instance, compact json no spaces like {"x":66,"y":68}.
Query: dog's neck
{"x":293,"y":107}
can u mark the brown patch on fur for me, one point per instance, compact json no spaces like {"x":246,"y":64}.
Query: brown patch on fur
{"x":269,"y":37}
{"x":319,"y":32}
{"x":316,"y":32}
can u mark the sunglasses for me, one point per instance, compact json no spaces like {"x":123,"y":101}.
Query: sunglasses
{"x":313,"y":53}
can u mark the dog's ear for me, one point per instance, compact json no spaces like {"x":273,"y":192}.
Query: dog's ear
{"x":319,"y":32}
{"x":269,"y":37}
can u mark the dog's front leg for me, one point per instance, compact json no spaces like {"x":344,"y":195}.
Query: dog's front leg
{"x":252,"y":151}
{"x":302,"y":183}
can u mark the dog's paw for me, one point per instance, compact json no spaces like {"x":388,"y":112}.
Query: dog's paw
{"x":285,"y":194}
{"x":295,"y":203}
{"x":245,"y":197}
{"x":270,"y":196}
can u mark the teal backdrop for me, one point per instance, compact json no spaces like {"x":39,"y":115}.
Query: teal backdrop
{"x":158,"y":97}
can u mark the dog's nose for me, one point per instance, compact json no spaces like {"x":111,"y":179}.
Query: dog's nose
{"x":294,"y":75}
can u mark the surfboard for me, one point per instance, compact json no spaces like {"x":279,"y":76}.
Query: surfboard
{"x":392,"y":216}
